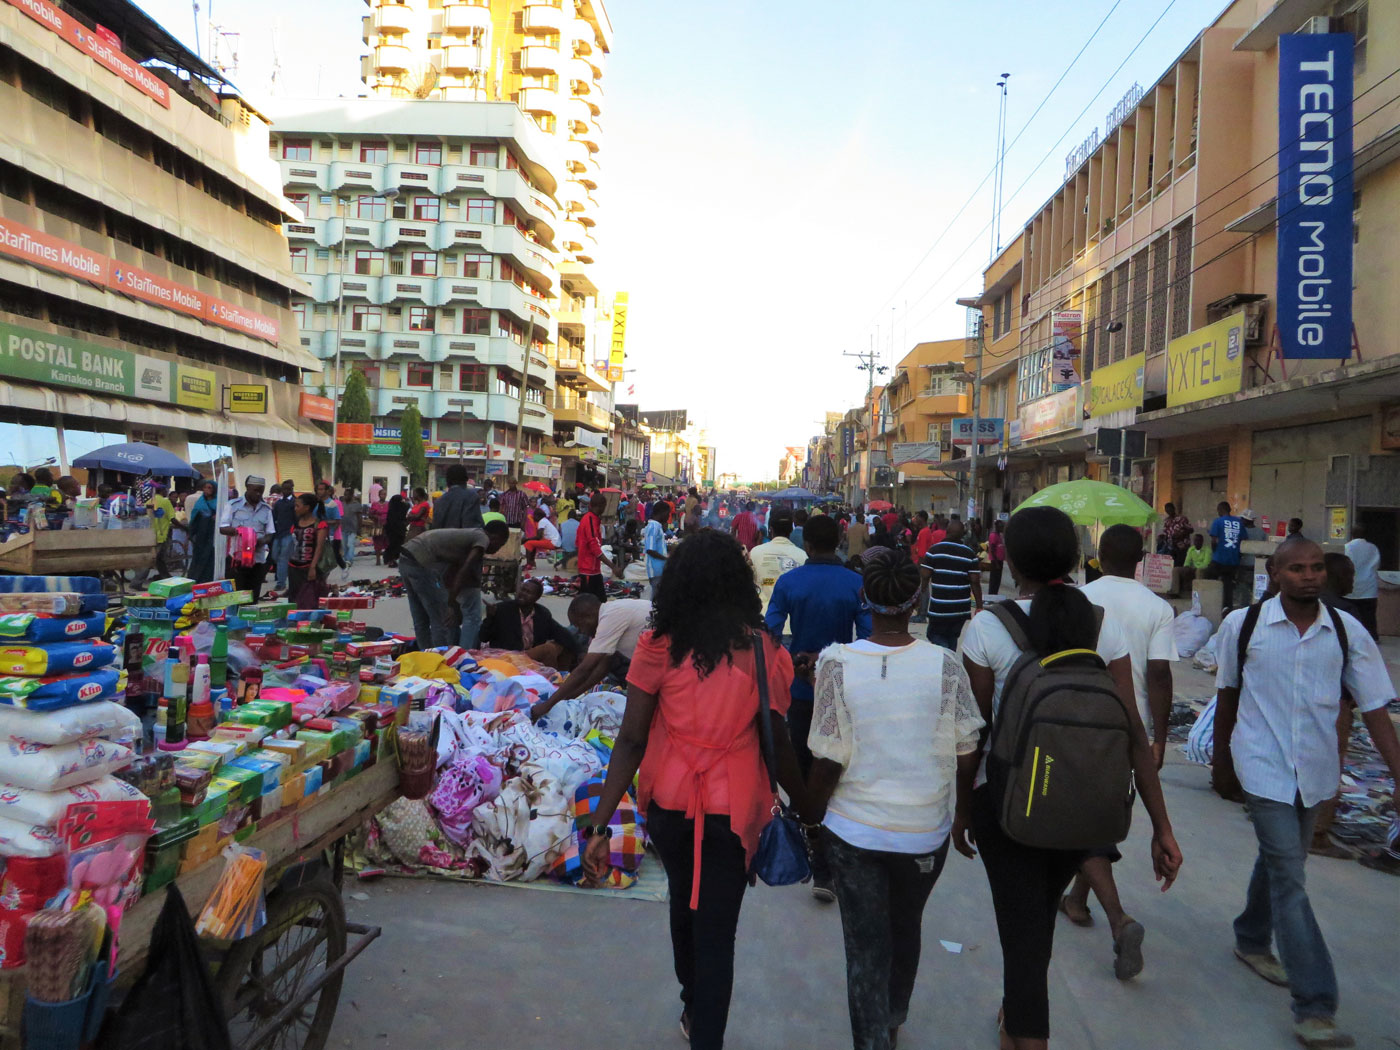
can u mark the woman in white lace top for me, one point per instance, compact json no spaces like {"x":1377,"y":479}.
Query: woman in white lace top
{"x":894,"y":717}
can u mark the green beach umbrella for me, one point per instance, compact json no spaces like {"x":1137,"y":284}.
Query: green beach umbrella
{"x":1094,"y":503}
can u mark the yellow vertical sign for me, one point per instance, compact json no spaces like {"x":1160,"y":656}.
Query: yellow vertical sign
{"x":617,"y":352}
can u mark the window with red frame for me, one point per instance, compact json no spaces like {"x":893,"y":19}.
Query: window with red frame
{"x":371,"y":207}
{"x":299,"y":312}
{"x":511,"y":274}
{"x":365,"y":318}
{"x":485,"y":155}
{"x":426,"y":209}
{"x":420,"y":373}
{"x":428,"y":153}
{"x":420,"y":318}
{"x":371,"y":373}
{"x":369,"y":262}
{"x":473,"y":378}
{"x":298,"y":257}
{"x":374,"y":153}
{"x":509,"y":328}
{"x":476,"y":322}
{"x":301,"y":200}
{"x":423,"y":264}
{"x":296,"y":149}
{"x":481,"y":209}
{"x":476,"y":265}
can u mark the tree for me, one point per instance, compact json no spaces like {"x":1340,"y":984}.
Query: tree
{"x":354,"y":408}
{"x":411,"y":446}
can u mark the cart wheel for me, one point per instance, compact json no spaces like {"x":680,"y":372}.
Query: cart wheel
{"x":275,"y":968}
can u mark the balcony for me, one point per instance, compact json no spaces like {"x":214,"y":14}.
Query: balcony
{"x":461,"y":58}
{"x":542,"y":17}
{"x":578,"y":115}
{"x":575,"y":152}
{"x":466,"y":15}
{"x":596,"y":60}
{"x":578,"y":71}
{"x":410,"y":232}
{"x":305,"y":234}
{"x":572,"y":410}
{"x":394,"y":345}
{"x":398,"y":288}
{"x":539,"y":58}
{"x":421,"y":177}
{"x":465,"y":290}
{"x":364,"y":178}
{"x":369,"y":232}
{"x":358,"y":287}
{"x":572,"y":237}
{"x":304,"y":173}
{"x":537,"y":100}
{"x":392,"y":58}
{"x":943,"y":403}
{"x":581,"y":29}
{"x":571,"y":366}
{"x":470,"y":235}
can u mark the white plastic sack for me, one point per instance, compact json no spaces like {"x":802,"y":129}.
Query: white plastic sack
{"x":1191,"y":632}
{"x":79,"y":722}
{"x":1205,"y":657}
{"x":1200,"y":742}
{"x":18,"y":839}
{"x":40,"y":767}
{"x":46,"y":808}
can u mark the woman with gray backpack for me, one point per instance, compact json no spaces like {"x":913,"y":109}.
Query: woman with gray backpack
{"x":1054,"y":682}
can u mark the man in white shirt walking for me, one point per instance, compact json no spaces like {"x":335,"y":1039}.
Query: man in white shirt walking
{"x":1365,"y":591}
{"x":779,"y":555}
{"x":1145,"y":622}
{"x":1276,"y":745}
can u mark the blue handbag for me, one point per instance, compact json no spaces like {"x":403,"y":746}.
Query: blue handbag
{"x":781,"y":858}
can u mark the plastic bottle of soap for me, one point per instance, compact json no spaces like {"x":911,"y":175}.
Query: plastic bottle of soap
{"x":218,"y":658}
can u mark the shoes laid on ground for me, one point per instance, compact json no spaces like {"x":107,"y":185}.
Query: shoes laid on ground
{"x":822,"y":891}
{"x":1127,"y":950}
{"x":1319,"y":1033}
{"x":1085,"y":918}
{"x":1266,"y":966}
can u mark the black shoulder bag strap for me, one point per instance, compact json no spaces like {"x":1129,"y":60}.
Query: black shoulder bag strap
{"x":765,"y":717}
{"x":1251,"y":620}
{"x":1018,"y":622}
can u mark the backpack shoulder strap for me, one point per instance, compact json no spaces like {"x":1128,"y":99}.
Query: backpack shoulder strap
{"x":1251,"y":618}
{"x":1016,"y":622}
{"x":1341,"y":629}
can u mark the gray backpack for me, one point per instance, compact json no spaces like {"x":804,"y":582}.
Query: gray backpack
{"x":1060,"y":763}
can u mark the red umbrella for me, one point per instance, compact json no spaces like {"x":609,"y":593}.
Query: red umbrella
{"x":879,"y":504}
{"x":537,"y":486}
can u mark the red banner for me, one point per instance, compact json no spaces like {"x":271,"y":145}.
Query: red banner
{"x":354,"y":433}
{"x":38,"y":248}
{"x":99,"y":45}
{"x":313,"y":406}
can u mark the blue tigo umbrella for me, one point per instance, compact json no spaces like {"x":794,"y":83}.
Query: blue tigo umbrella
{"x":792,"y":494}
{"x":135,"y":457}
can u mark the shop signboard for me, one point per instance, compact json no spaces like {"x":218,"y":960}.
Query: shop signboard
{"x":313,"y":406}
{"x":1155,"y":572}
{"x":646,"y":456}
{"x":1337,"y":523}
{"x":989,"y":432}
{"x":1066,"y":327}
{"x":354,"y":434}
{"x":914,"y":452}
{"x":1052,"y":414}
{"x":1315,"y":194}
{"x":1207,"y":362}
{"x":101,"y":49}
{"x":617,"y":349}
{"x":1115,"y":387}
{"x":196,"y":388}
{"x":250,"y":398}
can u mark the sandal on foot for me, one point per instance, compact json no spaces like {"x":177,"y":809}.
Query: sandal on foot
{"x":1127,"y":950}
{"x":1266,"y":965}
{"x":1086,"y":919}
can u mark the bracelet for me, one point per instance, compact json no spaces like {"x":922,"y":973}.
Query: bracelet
{"x":603,"y":830}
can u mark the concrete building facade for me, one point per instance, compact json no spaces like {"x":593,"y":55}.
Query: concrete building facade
{"x":145,"y":290}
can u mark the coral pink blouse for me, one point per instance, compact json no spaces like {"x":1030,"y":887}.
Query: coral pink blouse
{"x":703,"y":753}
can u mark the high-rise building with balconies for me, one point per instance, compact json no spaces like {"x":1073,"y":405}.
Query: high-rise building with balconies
{"x":433,"y":262}
{"x":547,"y":57}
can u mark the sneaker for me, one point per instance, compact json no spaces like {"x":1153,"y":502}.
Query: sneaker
{"x":1266,"y":966}
{"x":822,"y":891}
{"x":1319,"y":1033}
{"x":1127,"y":950}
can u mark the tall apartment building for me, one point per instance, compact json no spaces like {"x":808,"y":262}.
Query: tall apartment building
{"x":143,"y":268}
{"x":1167,"y":226}
{"x":548,"y":58}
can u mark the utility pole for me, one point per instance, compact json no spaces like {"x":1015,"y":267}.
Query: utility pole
{"x":524,"y":386}
{"x":342,"y":207}
{"x":869,"y":364}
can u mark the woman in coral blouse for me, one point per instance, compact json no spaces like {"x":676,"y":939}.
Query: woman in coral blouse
{"x":692,"y":727}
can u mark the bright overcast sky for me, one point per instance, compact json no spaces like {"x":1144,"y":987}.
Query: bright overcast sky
{"x":773,"y":170}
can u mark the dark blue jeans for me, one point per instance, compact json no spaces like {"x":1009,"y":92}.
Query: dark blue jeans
{"x":1277,"y":907}
{"x":944,"y":630}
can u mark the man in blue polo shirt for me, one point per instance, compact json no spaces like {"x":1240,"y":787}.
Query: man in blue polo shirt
{"x":821,"y":600}
{"x":1226,"y":531}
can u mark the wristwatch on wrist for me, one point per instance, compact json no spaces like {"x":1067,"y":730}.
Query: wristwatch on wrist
{"x":603,"y":830}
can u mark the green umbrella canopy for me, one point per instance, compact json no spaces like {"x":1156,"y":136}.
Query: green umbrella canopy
{"x":1094,"y":502}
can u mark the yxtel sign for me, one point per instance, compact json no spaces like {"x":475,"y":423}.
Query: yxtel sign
{"x":1315,"y":191}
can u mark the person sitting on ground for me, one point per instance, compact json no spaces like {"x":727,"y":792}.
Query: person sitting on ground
{"x":612,"y":629}
{"x":522,"y":625}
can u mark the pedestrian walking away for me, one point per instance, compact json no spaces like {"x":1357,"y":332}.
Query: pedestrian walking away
{"x":894,"y":718}
{"x":690,"y":736}
{"x":1145,"y":622}
{"x":953,"y":576}
{"x":996,"y":556}
{"x":1365,"y":593}
{"x":589,"y":540}
{"x":1042,"y":550}
{"x":1283,"y":666}
{"x":779,"y":555}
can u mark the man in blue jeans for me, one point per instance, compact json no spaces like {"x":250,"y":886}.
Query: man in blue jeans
{"x":442,"y":566}
{"x":952,"y":575}
{"x":1276,"y":747}
{"x":822,"y":600}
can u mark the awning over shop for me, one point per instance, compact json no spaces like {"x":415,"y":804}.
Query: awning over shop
{"x":76,"y":403}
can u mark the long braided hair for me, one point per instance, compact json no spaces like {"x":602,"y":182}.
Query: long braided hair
{"x":891,"y":581}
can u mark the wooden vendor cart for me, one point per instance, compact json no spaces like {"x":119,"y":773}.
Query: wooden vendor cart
{"x":280,"y":987}
{"x":79,"y":552}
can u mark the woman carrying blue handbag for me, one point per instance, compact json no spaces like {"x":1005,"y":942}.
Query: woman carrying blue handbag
{"x":894,"y":717}
{"x":691,"y":733}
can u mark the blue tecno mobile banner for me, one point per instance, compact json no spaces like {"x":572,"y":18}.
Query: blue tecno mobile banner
{"x":1315,"y":194}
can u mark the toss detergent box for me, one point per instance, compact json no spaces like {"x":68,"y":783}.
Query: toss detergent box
{"x":172,"y":587}
{"x":59,"y":658}
{"x":211,"y":588}
{"x":268,"y":770}
{"x":243,"y":783}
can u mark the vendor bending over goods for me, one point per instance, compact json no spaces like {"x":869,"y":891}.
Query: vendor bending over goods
{"x":614,"y":629}
{"x":443,"y":566}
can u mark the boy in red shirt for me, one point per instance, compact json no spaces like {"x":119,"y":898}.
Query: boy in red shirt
{"x":590,"y":549}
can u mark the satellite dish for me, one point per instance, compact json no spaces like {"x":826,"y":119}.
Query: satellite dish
{"x":419,"y":80}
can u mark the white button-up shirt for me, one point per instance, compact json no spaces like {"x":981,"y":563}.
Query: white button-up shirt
{"x":1285,"y":739}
